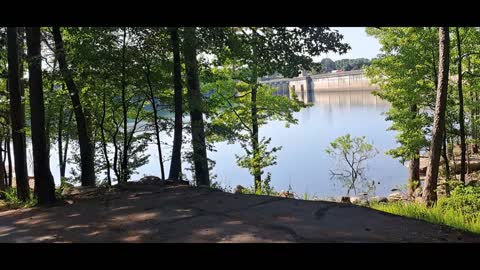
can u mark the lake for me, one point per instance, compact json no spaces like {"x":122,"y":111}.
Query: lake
{"x":302,"y":163}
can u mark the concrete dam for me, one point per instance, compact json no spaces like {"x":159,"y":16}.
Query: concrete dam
{"x":330,"y":82}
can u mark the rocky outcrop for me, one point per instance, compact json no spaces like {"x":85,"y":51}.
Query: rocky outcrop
{"x":150,"y":180}
{"x":286,"y":194}
{"x":78,"y":191}
{"x":379,"y":199}
{"x":396,"y":196}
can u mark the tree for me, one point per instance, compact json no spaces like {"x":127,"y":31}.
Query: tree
{"x":461,"y":117}
{"x":406,"y":75}
{"x":44,"y":184}
{"x":230,"y":112}
{"x":86,"y":146}
{"x":429,"y":195}
{"x":17,"y":115}
{"x":327,"y":65}
{"x":351,"y":155}
{"x":176,"y":162}
{"x":256,"y":52}
{"x":195,"y":103}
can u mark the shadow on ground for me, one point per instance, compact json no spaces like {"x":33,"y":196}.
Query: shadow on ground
{"x":185,"y":214}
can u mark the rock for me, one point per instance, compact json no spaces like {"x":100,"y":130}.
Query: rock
{"x":238,"y":189}
{"x":360,"y":200}
{"x":175,"y":182}
{"x":417,"y":192}
{"x":150,"y":180}
{"x":418,"y":200}
{"x":355,"y":199}
{"x":70,"y":191}
{"x":396,"y":196}
{"x":379,"y":199}
{"x":345,"y":199}
{"x":286,"y":194}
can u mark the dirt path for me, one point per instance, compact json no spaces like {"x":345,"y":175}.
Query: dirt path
{"x":186,"y":214}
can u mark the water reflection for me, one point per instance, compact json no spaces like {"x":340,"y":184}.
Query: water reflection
{"x":302,"y":163}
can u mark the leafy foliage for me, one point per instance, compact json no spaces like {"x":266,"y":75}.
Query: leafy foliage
{"x":351,"y":154}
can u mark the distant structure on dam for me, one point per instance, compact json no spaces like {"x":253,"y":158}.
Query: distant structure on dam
{"x":305,"y":84}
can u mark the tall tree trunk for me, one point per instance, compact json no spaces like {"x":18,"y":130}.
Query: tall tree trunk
{"x":60,"y":141}
{"x":9,"y":158}
{"x":254,"y":138}
{"x":3,"y":175}
{"x":477,"y":133}
{"x":414,"y":175}
{"x":461,"y":118}
{"x":155,"y":120}
{"x":17,"y":116}
{"x":176,"y":162}
{"x":63,"y":166}
{"x":200,"y":160}
{"x":447,"y":163}
{"x":44,"y":184}
{"x":124,"y":165}
{"x":104,"y":141}
{"x":445,"y":156}
{"x":429,"y":191}
{"x":414,"y":166}
{"x":48,"y":117}
{"x":86,"y":147}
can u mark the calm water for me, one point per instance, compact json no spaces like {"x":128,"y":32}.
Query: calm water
{"x":302,"y":163}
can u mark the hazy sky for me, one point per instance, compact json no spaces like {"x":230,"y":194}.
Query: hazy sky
{"x":363,"y":46}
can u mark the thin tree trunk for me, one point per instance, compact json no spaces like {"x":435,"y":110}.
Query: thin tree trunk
{"x":86,"y":147}
{"x":414,"y":166}
{"x":447,"y":163}
{"x":254,"y":138}
{"x":124,"y":165}
{"x":200,"y":160}
{"x":104,"y":142}
{"x":461,"y":118}
{"x":477,"y":133}
{"x":414,"y":175}
{"x":60,"y":141}
{"x":48,"y":117}
{"x":3,"y":175}
{"x":445,"y":156}
{"x":63,"y":166}
{"x":176,"y":162}
{"x":155,"y":120}
{"x":17,"y":116}
{"x":44,"y":183}
{"x":9,"y":158}
{"x":429,"y":191}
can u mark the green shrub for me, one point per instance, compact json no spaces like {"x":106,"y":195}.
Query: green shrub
{"x":464,"y":200}
{"x":11,"y":200}
{"x":460,"y":210}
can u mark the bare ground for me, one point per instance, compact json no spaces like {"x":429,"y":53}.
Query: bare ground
{"x":153,"y":213}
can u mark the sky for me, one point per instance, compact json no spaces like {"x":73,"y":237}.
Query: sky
{"x":362,"y":46}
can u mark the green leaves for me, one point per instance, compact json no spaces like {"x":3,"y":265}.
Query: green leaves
{"x":406,"y":76}
{"x":351,"y":154}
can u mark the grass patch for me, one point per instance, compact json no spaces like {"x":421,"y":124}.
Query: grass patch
{"x":436,"y":214}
